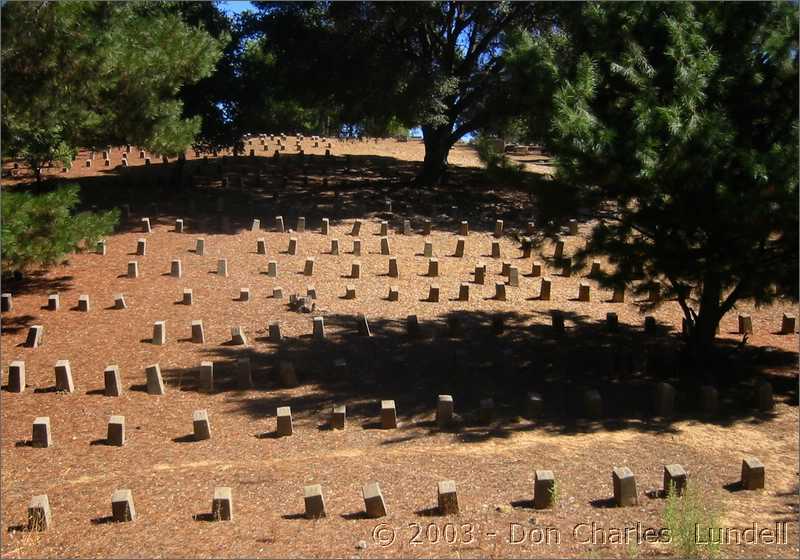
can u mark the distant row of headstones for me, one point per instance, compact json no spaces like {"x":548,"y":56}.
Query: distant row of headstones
{"x":545,"y":495}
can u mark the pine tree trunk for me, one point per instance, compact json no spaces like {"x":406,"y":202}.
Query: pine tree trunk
{"x":704,"y":330}
{"x":437,"y":146}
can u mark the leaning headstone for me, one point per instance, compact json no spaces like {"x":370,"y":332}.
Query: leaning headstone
{"x":498,"y":228}
{"x":275,"y":332}
{"x":155,"y":383}
{"x":764,"y":396}
{"x":788,"y":323}
{"x":534,"y":405}
{"x":412,"y":326}
{"x":460,"y":245}
{"x":319,"y":328}
{"x":388,"y":415}
{"x":284,"y":425}
{"x":222,"y":503}
{"x":339,"y":417}
{"x":363,"y":326}
{"x":709,"y":400}
{"x":35,"y":336}
{"x":664,"y":400}
{"x":116,"y":431}
{"x":244,"y":373}
{"x":279,"y":224}
{"x":650,"y":325}
{"x":573,"y":227}
{"x":160,"y":333}
{"x":7,"y":302}
{"x":200,"y":247}
{"x":292,"y":250}
{"x":133,"y":269}
{"x":612,"y":321}
{"x":39,"y":516}
{"x":499,"y":291}
{"x":745,"y":324}
{"x":480,"y":273}
{"x":314,"y":501}
{"x":373,"y":500}
{"x":624,"y":487}
{"x":444,"y":410}
{"x":752,"y":474}
{"x":198,"y":334}
{"x":41,"y":436}
{"x":558,"y":253}
{"x":544,"y":488}
{"x":238,"y":336}
{"x":64,"y":377}
{"x":53,"y":302}
{"x":674,"y":479}
{"x":113,"y":381}
{"x":119,"y":302}
{"x":146,"y":225}
{"x":175,"y":269}
{"x":201,"y":425}
{"x":122,"y":506}
{"x":356,"y":228}
{"x":16,"y":377}
{"x":426,"y":226}
{"x":447,"y":497}
{"x":592,"y":404}
{"x":256,"y":225}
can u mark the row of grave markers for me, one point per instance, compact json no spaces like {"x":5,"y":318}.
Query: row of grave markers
{"x":675,"y":478}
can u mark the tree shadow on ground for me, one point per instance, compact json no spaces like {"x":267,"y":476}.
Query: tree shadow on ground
{"x":224,"y":194}
{"x":478,"y":355}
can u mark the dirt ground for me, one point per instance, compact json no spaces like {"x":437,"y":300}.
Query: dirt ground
{"x":173,"y":477}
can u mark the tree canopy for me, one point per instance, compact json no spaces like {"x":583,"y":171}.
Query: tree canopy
{"x":93,"y":74}
{"x":681,"y":119}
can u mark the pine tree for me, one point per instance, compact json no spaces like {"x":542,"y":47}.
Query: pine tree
{"x":682,"y":119}
{"x":92,"y":74}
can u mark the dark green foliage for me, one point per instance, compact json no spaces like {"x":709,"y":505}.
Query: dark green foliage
{"x":681,"y":118}
{"x":38,"y":230}
{"x":438,"y":65}
{"x":92,"y":74}
{"x":499,"y":168}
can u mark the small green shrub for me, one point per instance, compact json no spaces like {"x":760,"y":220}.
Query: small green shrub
{"x":38,"y":230}
{"x":686,"y":517}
